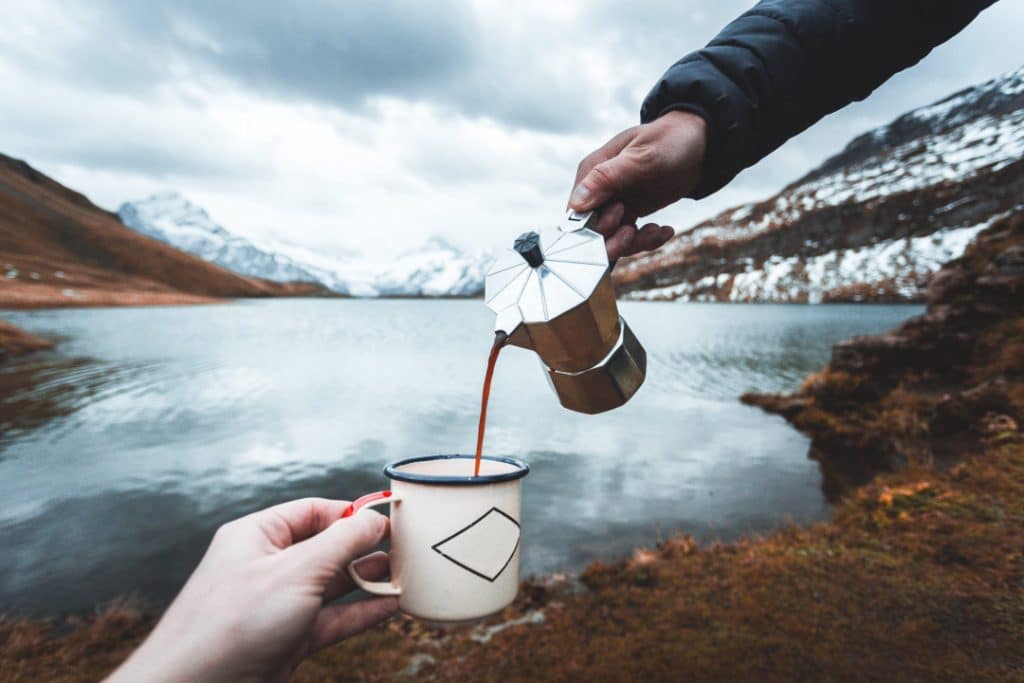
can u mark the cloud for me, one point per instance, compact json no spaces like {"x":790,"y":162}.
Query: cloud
{"x":341,"y":53}
{"x":154,"y":159}
{"x":338,"y":54}
{"x":373,"y":125}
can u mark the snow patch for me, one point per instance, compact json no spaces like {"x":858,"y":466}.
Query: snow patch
{"x":903,"y":265}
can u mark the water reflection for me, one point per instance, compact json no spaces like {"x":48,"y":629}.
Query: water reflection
{"x":114,"y":471}
{"x":74,"y":553}
{"x":35,"y":390}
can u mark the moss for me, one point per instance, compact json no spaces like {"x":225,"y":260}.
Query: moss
{"x":76,"y":649}
{"x":837,"y":388}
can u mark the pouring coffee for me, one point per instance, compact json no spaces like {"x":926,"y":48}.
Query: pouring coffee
{"x":553,"y":294}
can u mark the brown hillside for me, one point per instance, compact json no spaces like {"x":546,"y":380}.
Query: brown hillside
{"x":872,"y":223}
{"x":59,"y":249}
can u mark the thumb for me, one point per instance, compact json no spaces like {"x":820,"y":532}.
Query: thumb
{"x":344,"y":540}
{"x":604,"y":182}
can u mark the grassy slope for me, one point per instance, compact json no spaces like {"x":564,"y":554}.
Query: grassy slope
{"x":59,"y":249}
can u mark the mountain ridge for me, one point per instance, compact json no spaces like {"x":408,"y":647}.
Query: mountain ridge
{"x":172,"y":219}
{"x":57,"y":248}
{"x":434,"y":269}
{"x":945,"y":169}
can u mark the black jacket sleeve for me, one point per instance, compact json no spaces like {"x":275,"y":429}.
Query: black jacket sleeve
{"x":784,"y":64}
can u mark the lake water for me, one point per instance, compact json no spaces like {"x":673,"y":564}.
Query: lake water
{"x":121,"y":452}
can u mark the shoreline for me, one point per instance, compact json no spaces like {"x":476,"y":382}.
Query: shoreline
{"x":42,"y":298}
{"x":919,"y":573}
{"x":15,"y":341}
{"x":48,"y":299}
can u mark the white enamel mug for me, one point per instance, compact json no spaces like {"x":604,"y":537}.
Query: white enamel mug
{"x":454,"y":537}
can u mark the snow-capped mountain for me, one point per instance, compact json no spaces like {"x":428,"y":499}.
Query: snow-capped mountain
{"x":871,"y":223}
{"x":435,"y":269}
{"x":170,"y":218}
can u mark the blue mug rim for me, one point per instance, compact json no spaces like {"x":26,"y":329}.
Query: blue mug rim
{"x":392,"y":471}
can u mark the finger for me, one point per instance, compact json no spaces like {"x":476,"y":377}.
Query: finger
{"x":294,"y":521}
{"x":603,"y":183}
{"x":604,"y":153}
{"x":337,"y":622}
{"x":619,"y":243}
{"x":373,"y":567}
{"x":645,"y":238}
{"x":650,"y":237}
{"x":331,"y":550}
{"x":610,"y":219}
{"x":581,"y":198}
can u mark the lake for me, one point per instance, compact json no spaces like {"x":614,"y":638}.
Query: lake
{"x":121,"y":452}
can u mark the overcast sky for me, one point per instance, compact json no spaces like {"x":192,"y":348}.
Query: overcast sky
{"x":371,"y":125}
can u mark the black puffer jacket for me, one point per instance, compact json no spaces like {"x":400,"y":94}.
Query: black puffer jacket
{"x":783,"y":65}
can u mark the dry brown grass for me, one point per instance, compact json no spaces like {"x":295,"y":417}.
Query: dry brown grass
{"x":919,"y":577}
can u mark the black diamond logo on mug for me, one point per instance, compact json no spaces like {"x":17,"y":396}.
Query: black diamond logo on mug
{"x":485,"y":547}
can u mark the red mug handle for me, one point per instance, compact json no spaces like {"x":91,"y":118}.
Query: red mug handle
{"x":368,"y":501}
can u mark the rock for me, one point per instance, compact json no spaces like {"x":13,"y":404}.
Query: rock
{"x":787,"y":406}
{"x":417,"y":663}
{"x":994,"y":423}
{"x":1011,"y":260}
{"x":935,"y":389}
{"x":874,"y":354}
{"x":946,"y":284}
{"x":17,"y":342}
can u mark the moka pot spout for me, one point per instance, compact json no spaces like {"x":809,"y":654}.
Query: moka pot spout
{"x":510,"y":323}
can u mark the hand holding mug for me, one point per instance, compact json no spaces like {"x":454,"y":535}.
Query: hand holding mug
{"x":257,"y":604}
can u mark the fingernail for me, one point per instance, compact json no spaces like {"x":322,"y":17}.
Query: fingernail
{"x":579,"y":197}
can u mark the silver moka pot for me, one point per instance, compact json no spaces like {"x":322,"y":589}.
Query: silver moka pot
{"x":553,"y":294}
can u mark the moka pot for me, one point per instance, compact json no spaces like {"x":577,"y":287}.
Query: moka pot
{"x":552,"y":292}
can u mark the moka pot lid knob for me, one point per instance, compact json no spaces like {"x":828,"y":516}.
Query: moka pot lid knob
{"x":548,"y":272}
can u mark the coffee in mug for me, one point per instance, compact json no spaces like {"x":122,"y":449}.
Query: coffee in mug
{"x":455,"y":537}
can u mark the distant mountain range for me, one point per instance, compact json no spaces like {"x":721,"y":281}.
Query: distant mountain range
{"x":869,"y":224}
{"x":872,"y":223}
{"x":59,"y":249}
{"x":434,"y":269}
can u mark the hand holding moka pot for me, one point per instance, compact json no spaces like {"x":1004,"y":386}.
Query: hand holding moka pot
{"x":553,"y":294}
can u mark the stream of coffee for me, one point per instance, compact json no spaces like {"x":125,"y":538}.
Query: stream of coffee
{"x":499,"y":341}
